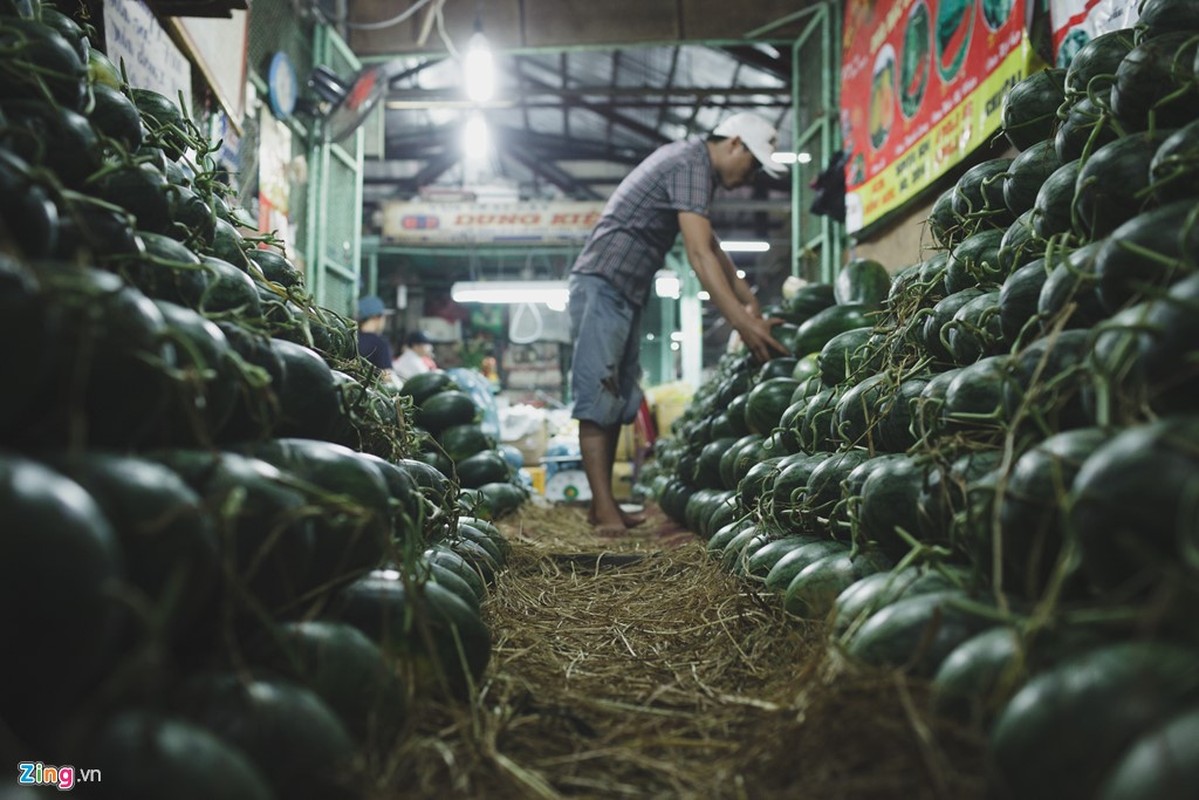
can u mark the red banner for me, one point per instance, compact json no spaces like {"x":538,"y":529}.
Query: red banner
{"x":922,"y":85}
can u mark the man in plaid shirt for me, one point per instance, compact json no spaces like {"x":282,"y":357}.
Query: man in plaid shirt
{"x":669,"y":193}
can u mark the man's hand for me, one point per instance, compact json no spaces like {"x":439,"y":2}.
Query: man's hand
{"x":757,"y":337}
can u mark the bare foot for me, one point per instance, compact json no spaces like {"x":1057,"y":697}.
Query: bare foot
{"x":610,"y":531}
{"x":628,"y":520}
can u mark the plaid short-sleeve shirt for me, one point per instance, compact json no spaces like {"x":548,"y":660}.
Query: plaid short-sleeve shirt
{"x":641,"y":220}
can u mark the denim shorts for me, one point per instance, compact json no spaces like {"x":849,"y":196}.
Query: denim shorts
{"x":606,"y":363}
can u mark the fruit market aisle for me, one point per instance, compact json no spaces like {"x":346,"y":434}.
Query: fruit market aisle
{"x":639,"y":668}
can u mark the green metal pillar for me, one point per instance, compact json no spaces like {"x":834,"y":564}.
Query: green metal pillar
{"x":333,"y":240}
{"x":820,"y":127}
{"x":691,"y":321}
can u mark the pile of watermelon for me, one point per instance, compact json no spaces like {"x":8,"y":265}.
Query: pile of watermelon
{"x":984,"y":470}
{"x":232,"y":551}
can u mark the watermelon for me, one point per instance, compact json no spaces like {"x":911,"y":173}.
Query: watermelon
{"x":1020,"y":244}
{"x":1155,"y":83}
{"x":890,"y":497}
{"x":451,"y":652}
{"x":1111,"y":187}
{"x":1174,"y":170}
{"x":808,"y":301}
{"x":916,"y":633}
{"x":1052,"y":211}
{"x":797,"y":560}
{"x":1031,"y":519}
{"x":944,"y":224}
{"x":344,"y":668}
{"x":895,"y":432}
{"x":1162,"y":763}
{"x":287,"y":731}
{"x":1169,"y":354}
{"x":863,"y":282}
{"x":1150,"y":250}
{"x":847,"y":354}
{"x":1092,"y":70}
{"x":1018,"y":298}
{"x":1072,"y":287}
{"x":813,"y":591}
{"x":766,"y":403}
{"x":859,"y":601}
{"x":141,"y":751}
{"x":824,"y":325}
{"x":1088,"y":124}
{"x":758,"y":566}
{"x":978,"y":195}
{"x":1133,"y":503}
{"x":856,"y":412}
{"x":943,"y":312}
{"x":975,"y":330}
{"x":1059,"y":735}
{"x":1029,"y":111}
{"x":445,"y":409}
{"x":1028,"y":171}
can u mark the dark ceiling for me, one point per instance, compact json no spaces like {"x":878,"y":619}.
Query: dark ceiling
{"x":585,"y":90}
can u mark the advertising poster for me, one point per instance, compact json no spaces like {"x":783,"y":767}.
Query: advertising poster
{"x":1076,"y":22}
{"x":922,"y":86}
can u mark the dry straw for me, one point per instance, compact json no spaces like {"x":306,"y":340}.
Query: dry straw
{"x":638,"y":669}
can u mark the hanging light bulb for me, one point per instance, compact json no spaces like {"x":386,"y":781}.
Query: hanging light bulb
{"x":479,"y":68}
{"x":476,"y":137}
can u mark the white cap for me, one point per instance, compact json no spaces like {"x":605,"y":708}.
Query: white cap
{"x":757,"y":134}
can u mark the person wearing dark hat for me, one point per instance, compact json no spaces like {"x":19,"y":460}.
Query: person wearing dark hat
{"x":668,"y":193}
{"x":371,"y":344}
{"x":417,"y":356}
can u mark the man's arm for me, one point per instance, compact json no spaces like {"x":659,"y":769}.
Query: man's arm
{"x":740,"y":287}
{"x":716,"y":274}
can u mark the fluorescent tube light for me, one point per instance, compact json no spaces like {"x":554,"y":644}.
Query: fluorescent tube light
{"x":476,"y":137}
{"x":479,"y":69}
{"x":744,"y":247}
{"x":553,"y":293}
{"x":666,"y":284}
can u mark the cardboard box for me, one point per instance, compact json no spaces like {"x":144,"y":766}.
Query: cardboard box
{"x":622,"y":480}
{"x":537,"y":474}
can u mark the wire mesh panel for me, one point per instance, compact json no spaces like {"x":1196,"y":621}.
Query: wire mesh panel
{"x":342,"y":226}
{"x":818,"y":240}
{"x":275,"y":26}
{"x":335,"y":242}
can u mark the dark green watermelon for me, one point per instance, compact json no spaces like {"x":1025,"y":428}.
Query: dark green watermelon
{"x":1112,"y":186}
{"x":1027,"y":172}
{"x":1150,"y":250}
{"x":862,"y":281}
{"x":1029,"y":111}
{"x":1052,"y":211}
{"x":1174,"y":170}
{"x":1155,"y":83}
{"x":1018,"y":300}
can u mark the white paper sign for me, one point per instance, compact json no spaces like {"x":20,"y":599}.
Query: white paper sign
{"x":1076,"y":22}
{"x":152,"y":61}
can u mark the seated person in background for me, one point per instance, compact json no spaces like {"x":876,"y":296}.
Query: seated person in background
{"x":371,"y":345}
{"x":417,"y":356}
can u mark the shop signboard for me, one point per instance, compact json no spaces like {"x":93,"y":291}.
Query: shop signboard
{"x":135,"y":41}
{"x":448,"y":223}
{"x":922,"y":86}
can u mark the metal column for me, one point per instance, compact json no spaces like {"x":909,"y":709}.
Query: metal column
{"x":820,"y":126}
{"x":333,"y":241}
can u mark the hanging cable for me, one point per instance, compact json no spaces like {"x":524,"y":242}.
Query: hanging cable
{"x":519,"y":311}
{"x":445,"y":38}
{"x":382,"y":24}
